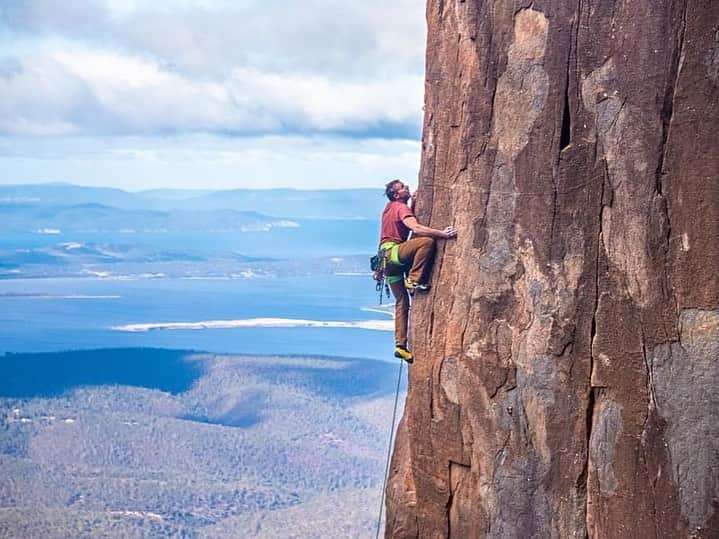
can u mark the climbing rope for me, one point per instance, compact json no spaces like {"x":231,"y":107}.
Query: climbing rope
{"x":389,"y":449}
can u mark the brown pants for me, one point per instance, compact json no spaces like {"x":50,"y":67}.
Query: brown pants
{"x":416,"y":256}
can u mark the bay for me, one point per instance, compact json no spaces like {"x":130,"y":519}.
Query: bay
{"x":48,"y":315}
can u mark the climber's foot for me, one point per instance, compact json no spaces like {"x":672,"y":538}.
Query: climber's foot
{"x":401,"y":352}
{"x":413,"y":286}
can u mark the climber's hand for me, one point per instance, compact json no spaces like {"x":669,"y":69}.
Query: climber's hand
{"x":450,"y":232}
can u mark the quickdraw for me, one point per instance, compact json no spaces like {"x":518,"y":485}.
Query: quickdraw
{"x":378,"y":264}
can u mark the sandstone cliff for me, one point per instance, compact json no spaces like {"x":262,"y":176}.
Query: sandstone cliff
{"x":567,"y":373}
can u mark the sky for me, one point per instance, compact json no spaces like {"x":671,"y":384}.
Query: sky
{"x":211,"y":94}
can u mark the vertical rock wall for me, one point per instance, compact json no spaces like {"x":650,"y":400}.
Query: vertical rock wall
{"x":567,"y":373}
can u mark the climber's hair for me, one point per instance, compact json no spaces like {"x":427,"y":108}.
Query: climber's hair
{"x":390,"y":190}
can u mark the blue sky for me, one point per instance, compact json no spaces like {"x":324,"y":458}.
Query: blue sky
{"x":211,"y":93}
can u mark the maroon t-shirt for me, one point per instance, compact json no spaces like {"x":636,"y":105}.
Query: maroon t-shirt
{"x":393,"y":229}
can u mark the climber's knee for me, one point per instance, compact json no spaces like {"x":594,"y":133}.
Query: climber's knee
{"x":428,"y":242}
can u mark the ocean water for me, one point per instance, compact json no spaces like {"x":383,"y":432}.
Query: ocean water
{"x":50,"y":315}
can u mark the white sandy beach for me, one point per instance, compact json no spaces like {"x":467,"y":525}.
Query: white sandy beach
{"x":377,"y":325}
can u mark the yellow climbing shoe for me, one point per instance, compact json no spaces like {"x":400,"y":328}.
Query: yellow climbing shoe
{"x":402,"y":353}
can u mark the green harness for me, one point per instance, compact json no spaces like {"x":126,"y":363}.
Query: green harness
{"x":392,"y":248}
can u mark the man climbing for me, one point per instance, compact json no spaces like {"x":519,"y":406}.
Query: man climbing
{"x":413,"y":256}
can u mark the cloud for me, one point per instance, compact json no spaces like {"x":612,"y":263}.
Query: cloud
{"x":40,"y":97}
{"x":42,"y":17}
{"x":209,"y":161}
{"x":318,"y":83}
{"x":72,"y":91}
{"x":204,"y":38}
{"x":123,"y":67}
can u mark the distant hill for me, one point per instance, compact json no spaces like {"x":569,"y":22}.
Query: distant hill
{"x":174,"y":194}
{"x":96,"y":217}
{"x":286,"y":203}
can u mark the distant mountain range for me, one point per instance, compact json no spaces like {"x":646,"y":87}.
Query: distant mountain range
{"x":285,"y":203}
{"x":55,"y":230}
{"x":48,"y":218}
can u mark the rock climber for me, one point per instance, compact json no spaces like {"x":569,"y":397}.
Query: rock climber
{"x":411,"y":256}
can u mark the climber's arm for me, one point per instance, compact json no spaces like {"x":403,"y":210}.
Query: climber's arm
{"x":421,"y":230}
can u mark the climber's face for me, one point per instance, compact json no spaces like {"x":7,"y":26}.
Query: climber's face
{"x":401,"y":192}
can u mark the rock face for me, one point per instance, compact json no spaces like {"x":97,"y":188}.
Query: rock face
{"x":567,"y":373}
